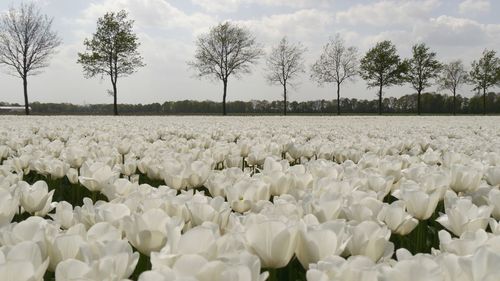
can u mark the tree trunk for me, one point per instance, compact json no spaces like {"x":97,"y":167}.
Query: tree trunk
{"x":338,"y":98}
{"x":454,"y":102}
{"x":224,"y":97}
{"x":419,"y":109}
{"x":284,"y":99}
{"x":115,"y":104}
{"x":380,"y":100}
{"x":26,"y":102}
{"x":484,"y":101}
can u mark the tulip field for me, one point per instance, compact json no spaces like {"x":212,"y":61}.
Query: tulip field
{"x":250,"y":198}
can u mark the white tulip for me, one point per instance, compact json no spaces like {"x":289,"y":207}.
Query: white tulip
{"x":22,"y":262}
{"x":199,"y":172}
{"x":72,"y":175}
{"x":123,"y":146}
{"x":72,"y":269}
{"x":215,"y":210}
{"x":200,"y":240}
{"x":64,"y":215}
{"x":75,"y":156}
{"x":273,"y":240}
{"x":419,"y":203}
{"x":120,"y":188}
{"x":257,"y":155}
{"x":9,"y":205}
{"x":246,"y":192}
{"x":96,"y":176}
{"x":4,"y":152}
{"x":467,"y":244}
{"x":149,"y":231}
{"x":465,"y":178}
{"x":316,"y":242}
{"x":64,"y":246}
{"x":114,"y":213}
{"x":397,"y":219}
{"x":176,"y":174}
{"x":366,"y":208}
{"x":482,"y":266}
{"x":494,"y":201}
{"x":36,"y":199}
{"x":371,"y":240}
{"x":493,"y":175}
{"x":355,"y":268}
{"x":327,"y":207}
{"x":462,"y":215}
{"x":129,"y":167}
{"x":32,"y":229}
{"x":418,"y":268}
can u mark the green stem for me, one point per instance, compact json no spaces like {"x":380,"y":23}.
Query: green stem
{"x":421,"y":246}
{"x":144,"y":264}
{"x":280,"y":274}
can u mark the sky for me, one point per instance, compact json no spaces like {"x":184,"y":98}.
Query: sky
{"x":167,"y":30}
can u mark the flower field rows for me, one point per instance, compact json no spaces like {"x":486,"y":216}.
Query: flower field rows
{"x":250,"y":198}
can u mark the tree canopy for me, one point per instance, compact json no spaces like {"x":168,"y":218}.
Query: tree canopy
{"x":112,"y":51}
{"x":423,"y":68}
{"x":382,"y":67}
{"x":485,"y":73}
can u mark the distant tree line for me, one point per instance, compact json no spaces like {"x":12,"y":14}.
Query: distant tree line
{"x":432,"y":103}
{"x":27,"y":42}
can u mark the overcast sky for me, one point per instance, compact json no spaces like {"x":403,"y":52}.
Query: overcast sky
{"x":168,"y":28}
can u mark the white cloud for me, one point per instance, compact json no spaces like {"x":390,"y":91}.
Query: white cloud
{"x":218,"y":5}
{"x":403,"y":39}
{"x":226,"y":6}
{"x":474,"y":6}
{"x":451,"y":31}
{"x":301,"y":25}
{"x":388,"y":12}
{"x":149,"y":13}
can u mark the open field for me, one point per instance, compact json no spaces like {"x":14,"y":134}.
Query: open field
{"x":250,"y":198}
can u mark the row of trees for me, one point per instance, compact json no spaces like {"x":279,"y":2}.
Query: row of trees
{"x":380,"y":67}
{"x":432,"y":103}
{"x":27,"y":42}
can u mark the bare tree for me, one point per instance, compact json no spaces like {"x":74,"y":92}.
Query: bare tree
{"x":112,"y":51}
{"x":285,"y":63}
{"x":336,"y":64}
{"x":226,"y":50}
{"x":26,"y":43}
{"x":453,"y":75}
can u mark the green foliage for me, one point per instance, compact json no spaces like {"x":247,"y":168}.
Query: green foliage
{"x":423,"y":67}
{"x":382,"y":66}
{"x":434,"y":103}
{"x":112,"y":50}
{"x":485,"y":73}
